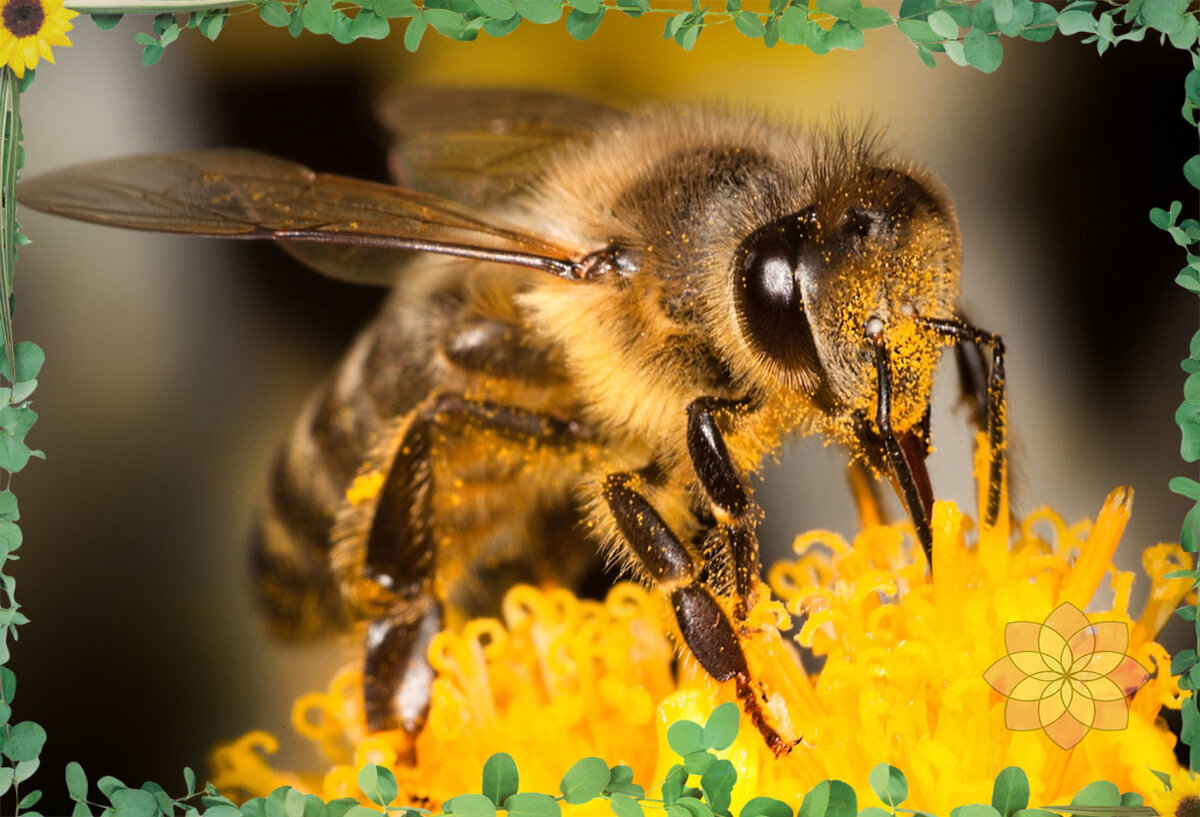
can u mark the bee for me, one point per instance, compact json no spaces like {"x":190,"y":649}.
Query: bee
{"x":600,"y":324}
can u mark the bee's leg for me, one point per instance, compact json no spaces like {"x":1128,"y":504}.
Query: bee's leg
{"x":734,"y":510}
{"x":991,"y":392}
{"x":972,"y":368}
{"x":401,"y":550}
{"x":397,"y":676}
{"x":905,"y":453}
{"x":705,"y":627}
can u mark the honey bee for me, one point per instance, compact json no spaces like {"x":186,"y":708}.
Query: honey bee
{"x":601,"y":323}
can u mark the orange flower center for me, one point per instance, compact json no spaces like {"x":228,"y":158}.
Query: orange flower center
{"x":1189,"y":806}
{"x":23,"y":18}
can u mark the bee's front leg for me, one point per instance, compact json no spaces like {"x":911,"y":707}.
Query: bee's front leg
{"x":675,"y":570}
{"x":984,"y":389}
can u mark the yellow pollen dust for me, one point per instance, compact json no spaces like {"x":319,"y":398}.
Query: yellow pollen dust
{"x":364,"y":488}
{"x":556,"y":678}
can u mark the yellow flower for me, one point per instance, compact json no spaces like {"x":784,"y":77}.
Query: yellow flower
{"x":27,"y":30}
{"x":1066,"y":676}
{"x":1181,"y":799}
{"x":901,"y":680}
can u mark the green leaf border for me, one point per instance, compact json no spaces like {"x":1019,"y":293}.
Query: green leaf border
{"x":968,"y":34}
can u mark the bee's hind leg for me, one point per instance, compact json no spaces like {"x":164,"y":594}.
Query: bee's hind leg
{"x":401,"y":550}
{"x":397,"y":676}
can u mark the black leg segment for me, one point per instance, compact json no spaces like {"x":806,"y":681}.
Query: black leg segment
{"x":705,"y":627}
{"x":905,"y":454}
{"x":397,"y":677}
{"x":710,"y":457}
{"x":972,"y":368}
{"x":401,"y":552}
{"x":400,"y":545}
{"x":726,"y":489}
{"x":660,"y":551}
{"x":996,"y":420}
{"x":708,"y":632}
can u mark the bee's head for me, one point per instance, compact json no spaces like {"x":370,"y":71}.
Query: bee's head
{"x":817,"y":290}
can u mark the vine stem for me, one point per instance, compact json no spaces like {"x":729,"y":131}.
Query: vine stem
{"x":10,"y":104}
{"x":10,"y":122}
{"x":148,"y":6}
{"x":1196,"y":620}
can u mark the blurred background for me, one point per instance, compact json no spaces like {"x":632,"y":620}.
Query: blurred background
{"x":175,"y":366}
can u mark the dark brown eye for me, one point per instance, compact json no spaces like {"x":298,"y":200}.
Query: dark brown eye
{"x":768,"y":296}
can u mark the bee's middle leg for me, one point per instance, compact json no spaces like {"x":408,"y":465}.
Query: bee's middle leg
{"x":733,"y":510}
{"x":675,"y":570}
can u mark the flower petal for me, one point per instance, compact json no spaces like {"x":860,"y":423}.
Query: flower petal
{"x":1066,"y":731}
{"x":1111,"y":716}
{"x":1050,"y":709}
{"x":1066,"y":620}
{"x":16,"y":60}
{"x":1082,"y":709}
{"x":1029,"y":689}
{"x":1052,"y":645}
{"x":1022,"y":716}
{"x":29,"y":50}
{"x":1103,"y":689}
{"x":1129,"y":675}
{"x":1022,"y":636}
{"x":1081,"y":643}
{"x":1080,"y":688}
{"x":1003,"y":675}
{"x":1101,"y":661}
{"x":1030,"y":662}
{"x":1112,"y":636}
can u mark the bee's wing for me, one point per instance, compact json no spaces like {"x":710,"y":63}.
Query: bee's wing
{"x":479,"y":146}
{"x":243,"y":194}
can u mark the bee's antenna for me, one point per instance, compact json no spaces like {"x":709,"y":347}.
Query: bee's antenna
{"x":902,"y":455}
{"x":963,"y":333}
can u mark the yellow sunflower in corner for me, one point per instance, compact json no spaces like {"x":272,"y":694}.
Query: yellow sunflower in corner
{"x":27,"y":30}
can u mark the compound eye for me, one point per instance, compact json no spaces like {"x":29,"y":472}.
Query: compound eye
{"x":767,"y":292}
